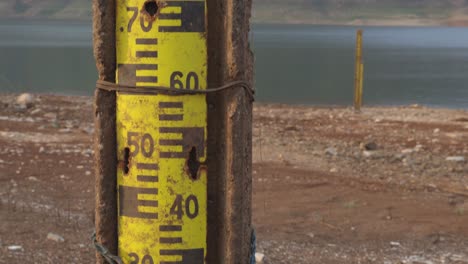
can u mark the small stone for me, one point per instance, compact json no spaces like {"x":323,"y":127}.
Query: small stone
{"x":55,"y":237}
{"x":35,"y":111}
{"x":371,"y":146}
{"x":87,"y":173}
{"x":32,"y":178}
{"x":456,"y":159}
{"x":407,"y":151}
{"x":368,"y":154}
{"x":41,"y":150}
{"x":15,"y":248}
{"x":395,"y":244}
{"x":25,"y":100}
{"x":333,"y":170}
{"x":80,"y":167}
{"x":50,"y":116}
{"x":331,"y":152}
{"x":437,"y":131}
{"x":259,"y":257}
{"x":311,"y":235}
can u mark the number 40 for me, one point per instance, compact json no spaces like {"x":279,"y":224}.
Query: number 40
{"x":178,"y":209}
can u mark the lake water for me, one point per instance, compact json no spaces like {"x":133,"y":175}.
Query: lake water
{"x":294,"y":63}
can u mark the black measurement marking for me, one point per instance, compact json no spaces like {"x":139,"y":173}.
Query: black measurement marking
{"x":148,"y":203}
{"x":147,"y":41}
{"x":146,"y":67}
{"x":147,"y":178}
{"x":191,"y":137}
{"x":169,"y":117}
{"x":129,"y":202}
{"x":171,"y":105}
{"x":170,"y":228}
{"x":192,"y":17}
{"x":170,"y":240}
{"x":127,"y":73}
{"x":148,"y":79}
{"x":147,"y":166}
{"x":146,"y":54}
{"x":189,"y":256}
{"x":171,"y":142}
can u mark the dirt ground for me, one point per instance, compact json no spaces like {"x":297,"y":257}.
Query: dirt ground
{"x":388,"y":185}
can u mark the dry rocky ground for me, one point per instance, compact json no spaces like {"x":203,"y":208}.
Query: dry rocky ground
{"x":388,"y":185}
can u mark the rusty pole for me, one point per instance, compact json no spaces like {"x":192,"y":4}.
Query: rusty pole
{"x":229,"y":131}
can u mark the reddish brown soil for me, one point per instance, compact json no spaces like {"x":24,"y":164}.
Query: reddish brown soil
{"x":400,"y":203}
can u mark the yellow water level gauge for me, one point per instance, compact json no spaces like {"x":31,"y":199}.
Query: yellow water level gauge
{"x":161,"y":138}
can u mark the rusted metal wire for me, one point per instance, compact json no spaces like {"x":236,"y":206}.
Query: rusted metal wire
{"x":111,"y":259}
{"x":109,"y":86}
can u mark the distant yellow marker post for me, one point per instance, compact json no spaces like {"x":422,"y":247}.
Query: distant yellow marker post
{"x":161,"y":139}
{"x":359,"y":71}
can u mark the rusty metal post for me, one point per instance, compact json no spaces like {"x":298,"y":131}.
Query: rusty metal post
{"x":105,"y":137}
{"x":229,"y":131}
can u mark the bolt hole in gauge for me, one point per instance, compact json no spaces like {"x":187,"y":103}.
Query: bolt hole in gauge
{"x":161,"y":138}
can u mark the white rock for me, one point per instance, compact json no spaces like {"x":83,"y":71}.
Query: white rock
{"x":456,"y":159}
{"x":15,"y":248}
{"x":368,"y":154}
{"x":87,"y":173}
{"x":407,"y":151}
{"x":25,"y":100}
{"x":333,"y":170}
{"x":331,"y":151}
{"x":35,"y":111}
{"x":395,"y":244}
{"x":55,"y":237}
{"x":32,"y":178}
{"x":436,"y":131}
{"x":259,"y":257}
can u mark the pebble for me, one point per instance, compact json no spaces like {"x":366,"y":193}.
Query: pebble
{"x":259,"y":257}
{"x":395,"y":244}
{"x":52,"y":116}
{"x":25,"y":100}
{"x":15,"y":248}
{"x":87,"y":173}
{"x":367,"y":153}
{"x":333,"y":170}
{"x":32,"y":178}
{"x":35,"y":111}
{"x":436,"y":131}
{"x":407,"y":151}
{"x":55,"y":237}
{"x":371,"y":146}
{"x":331,"y":151}
{"x":456,"y":159}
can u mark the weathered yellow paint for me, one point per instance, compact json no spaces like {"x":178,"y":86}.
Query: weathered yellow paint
{"x":162,"y":204}
{"x":358,"y":75}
